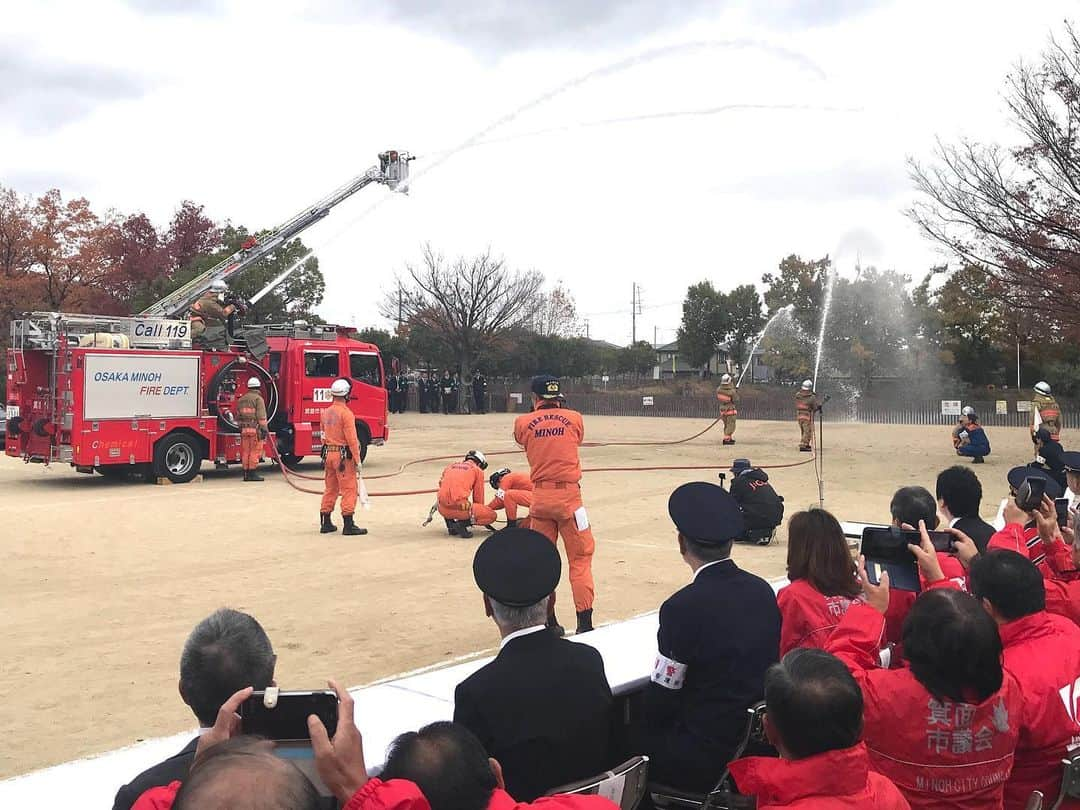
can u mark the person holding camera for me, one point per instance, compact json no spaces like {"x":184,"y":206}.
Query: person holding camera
{"x":251,"y":417}
{"x":762,"y":508}
{"x":1027,"y":488}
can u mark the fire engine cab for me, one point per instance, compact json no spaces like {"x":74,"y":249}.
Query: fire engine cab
{"x":121,"y":395}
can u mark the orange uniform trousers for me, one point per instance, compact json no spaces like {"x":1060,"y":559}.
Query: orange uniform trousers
{"x":511,"y":500}
{"x":337,"y":483}
{"x":552,"y":514}
{"x":250,"y":448}
{"x":806,"y":429}
{"x":464,"y":510}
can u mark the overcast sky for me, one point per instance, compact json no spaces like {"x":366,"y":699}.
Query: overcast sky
{"x":795,"y":120}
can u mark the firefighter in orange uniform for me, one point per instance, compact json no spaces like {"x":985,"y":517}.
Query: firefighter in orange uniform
{"x":512,"y":489}
{"x":210,"y":309}
{"x":461,"y":495}
{"x":1046,"y":412}
{"x":341,"y":454}
{"x":251,"y":416}
{"x":551,"y":435}
{"x":728,"y":397}
{"x":806,"y":405}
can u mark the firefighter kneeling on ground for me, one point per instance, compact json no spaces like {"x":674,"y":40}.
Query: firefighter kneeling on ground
{"x":461,"y":495}
{"x":806,"y":405}
{"x":512,"y":490}
{"x":210,"y":310}
{"x":251,"y":416}
{"x":341,"y":456}
{"x":971,"y":440}
{"x":728,"y":397}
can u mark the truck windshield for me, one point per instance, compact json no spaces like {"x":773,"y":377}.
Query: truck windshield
{"x":321,"y":364}
{"x":365,"y":368}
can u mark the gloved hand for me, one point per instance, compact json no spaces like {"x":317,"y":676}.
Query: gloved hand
{"x":263,"y":433}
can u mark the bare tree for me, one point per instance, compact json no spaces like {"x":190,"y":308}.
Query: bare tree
{"x":556,"y":313}
{"x":1016,"y":212}
{"x":467,"y":303}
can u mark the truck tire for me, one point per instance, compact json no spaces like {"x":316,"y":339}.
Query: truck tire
{"x":178,"y":458}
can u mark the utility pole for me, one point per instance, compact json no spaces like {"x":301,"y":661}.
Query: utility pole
{"x":655,"y":336}
{"x":635,"y":310}
{"x":399,"y":307}
{"x":586,"y":328}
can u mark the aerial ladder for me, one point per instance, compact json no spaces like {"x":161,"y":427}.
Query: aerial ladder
{"x":392,"y":171}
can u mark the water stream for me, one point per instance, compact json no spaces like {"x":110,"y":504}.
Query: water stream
{"x":784,"y":312}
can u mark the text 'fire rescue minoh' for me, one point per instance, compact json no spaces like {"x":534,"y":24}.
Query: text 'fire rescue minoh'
{"x":134,"y":394}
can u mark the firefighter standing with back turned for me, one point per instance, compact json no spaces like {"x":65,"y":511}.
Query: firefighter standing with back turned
{"x":251,"y":416}
{"x":1046,"y":412}
{"x":806,"y":405}
{"x":728,"y":397}
{"x":341,"y":454}
{"x":551,"y":435}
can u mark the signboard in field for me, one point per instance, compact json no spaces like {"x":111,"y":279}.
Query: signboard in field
{"x":130,"y":386}
{"x":1023,"y":406}
{"x":1002,"y":407}
{"x":646,"y":401}
{"x":950,"y":407}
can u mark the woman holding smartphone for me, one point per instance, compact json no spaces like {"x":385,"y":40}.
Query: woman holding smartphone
{"x":823,"y":577}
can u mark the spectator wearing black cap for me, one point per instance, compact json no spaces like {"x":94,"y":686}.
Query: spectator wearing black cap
{"x":959,"y":495}
{"x":717,"y":638}
{"x":762,"y":508}
{"x":815,"y":720}
{"x":1071,"y":458}
{"x":542,"y":707}
{"x":1050,"y":456}
{"x":551,"y":435}
{"x":227,"y":651}
{"x":1021,"y":531}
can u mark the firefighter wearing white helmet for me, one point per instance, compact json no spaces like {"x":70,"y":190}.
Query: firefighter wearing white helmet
{"x":251,"y":418}
{"x":728,"y":397}
{"x":806,"y":405}
{"x":1045,"y":412}
{"x":961,"y":423}
{"x":210,"y":309}
{"x":341,"y":459}
{"x":461,"y":495}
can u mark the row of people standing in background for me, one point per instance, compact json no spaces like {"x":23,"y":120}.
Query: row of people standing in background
{"x":436,"y":393}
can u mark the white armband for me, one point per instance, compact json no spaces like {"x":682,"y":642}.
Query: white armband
{"x":668,"y":673}
{"x":500,"y":494}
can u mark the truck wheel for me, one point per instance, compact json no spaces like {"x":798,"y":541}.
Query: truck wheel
{"x":177,"y":458}
{"x":290,"y":461}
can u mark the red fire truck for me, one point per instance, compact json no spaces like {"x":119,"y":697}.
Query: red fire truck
{"x":121,"y":395}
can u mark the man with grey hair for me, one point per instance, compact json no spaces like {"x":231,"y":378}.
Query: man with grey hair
{"x":227,"y":651}
{"x":543,"y":706}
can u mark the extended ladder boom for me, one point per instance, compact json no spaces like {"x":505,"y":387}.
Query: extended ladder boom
{"x":392,"y":171}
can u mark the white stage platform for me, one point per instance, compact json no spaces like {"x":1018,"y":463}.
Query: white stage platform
{"x":383,"y":710}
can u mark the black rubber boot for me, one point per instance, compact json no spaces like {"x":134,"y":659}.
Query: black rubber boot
{"x":512,"y":524}
{"x":804,"y":449}
{"x":463,"y":529}
{"x":554,"y":626}
{"x":977,"y":460}
{"x":326,"y":526}
{"x":251,"y":475}
{"x":729,"y":441}
{"x":584,"y":621}
{"x":350,"y":527}
{"x":451,"y":527}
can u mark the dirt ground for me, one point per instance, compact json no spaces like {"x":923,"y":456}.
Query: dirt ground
{"x":103,"y":580}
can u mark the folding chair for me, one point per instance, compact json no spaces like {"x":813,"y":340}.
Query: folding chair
{"x":625,"y":784}
{"x":724,"y":796}
{"x":1070,"y":781}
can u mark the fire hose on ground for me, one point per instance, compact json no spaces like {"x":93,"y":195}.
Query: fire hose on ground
{"x":289,"y":475}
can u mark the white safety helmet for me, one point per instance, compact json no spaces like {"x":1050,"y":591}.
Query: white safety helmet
{"x":218,"y":286}
{"x":340,"y":388}
{"x":478,"y":457}
{"x":1043,"y":387}
{"x":968,"y":410}
{"x":807,"y":385}
{"x":254,"y":382}
{"x":725,"y":379}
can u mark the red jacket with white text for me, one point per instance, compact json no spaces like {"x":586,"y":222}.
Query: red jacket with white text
{"x":1043,"y":652}
{"x":940,"y":753}
{"x":835,"y":780}
{"x":399,"y":794}
{"x":807,"y":616}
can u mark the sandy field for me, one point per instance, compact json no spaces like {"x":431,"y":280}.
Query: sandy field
{"x":103,"y":580}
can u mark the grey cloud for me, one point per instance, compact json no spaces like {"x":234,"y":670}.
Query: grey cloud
{"x":494,"y":27}
{"x":39,"y":94}
{"x":38,"y":181}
